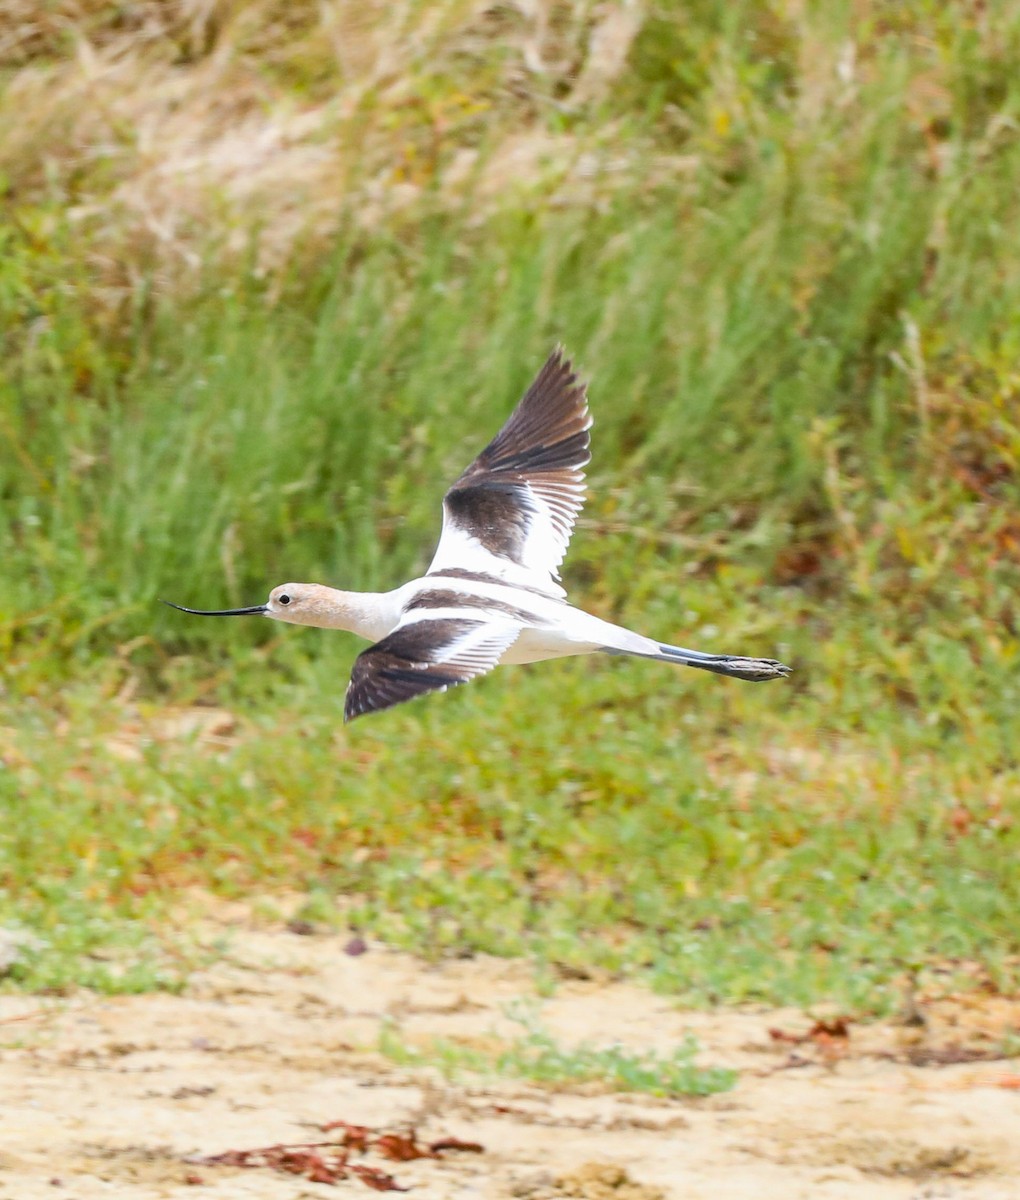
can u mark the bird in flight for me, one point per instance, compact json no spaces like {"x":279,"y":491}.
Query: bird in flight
{"x":491,"y":594}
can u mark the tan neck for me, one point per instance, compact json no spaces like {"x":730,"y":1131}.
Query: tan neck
{"x":370,"y":615}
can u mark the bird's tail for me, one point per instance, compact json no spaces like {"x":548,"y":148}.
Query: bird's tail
{"x":615,"y":639}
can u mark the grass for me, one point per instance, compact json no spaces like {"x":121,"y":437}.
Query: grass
{"x":536,"y":1056}
{"x":782,"y":263}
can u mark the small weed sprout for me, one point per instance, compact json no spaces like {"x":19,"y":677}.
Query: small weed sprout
{"x":536,"y":1055}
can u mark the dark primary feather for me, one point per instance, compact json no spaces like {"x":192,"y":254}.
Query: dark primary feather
{"x":426,"y":655}
{"x":538,"y":454}
{"x":547,"y":431}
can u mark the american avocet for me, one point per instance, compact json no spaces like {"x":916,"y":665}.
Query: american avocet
{"x":490,"y":595}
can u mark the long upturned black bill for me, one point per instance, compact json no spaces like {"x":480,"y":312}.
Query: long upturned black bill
{"x":222,"y":612}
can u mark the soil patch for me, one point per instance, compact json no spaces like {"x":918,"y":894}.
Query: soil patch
{"x":134,"y":1096}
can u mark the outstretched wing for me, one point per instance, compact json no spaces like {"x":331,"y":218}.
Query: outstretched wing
{"x":511,"y":513}
{"x":427,"y":654}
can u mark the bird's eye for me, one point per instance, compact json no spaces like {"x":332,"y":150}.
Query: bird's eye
{"x":283,"y":599}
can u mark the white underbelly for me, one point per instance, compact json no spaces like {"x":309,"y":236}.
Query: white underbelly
{"x":535,"y":645}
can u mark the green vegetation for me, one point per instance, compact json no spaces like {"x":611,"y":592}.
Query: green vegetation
{"x":537,"y":1056}
{"x":779,"y":244}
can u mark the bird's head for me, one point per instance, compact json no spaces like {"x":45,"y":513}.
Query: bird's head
{"x":295,"y":603}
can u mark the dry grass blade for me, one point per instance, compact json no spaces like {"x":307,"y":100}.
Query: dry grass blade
{"x":183,"y":117}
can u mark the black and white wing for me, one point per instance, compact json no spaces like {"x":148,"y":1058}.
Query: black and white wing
{"x":511,"y":513}
{"x":425,"y":654}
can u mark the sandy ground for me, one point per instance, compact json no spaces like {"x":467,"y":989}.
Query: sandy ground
{"x":119,"y":1097}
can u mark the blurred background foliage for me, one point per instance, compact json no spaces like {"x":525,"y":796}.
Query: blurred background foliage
{"x":271,"y":273}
